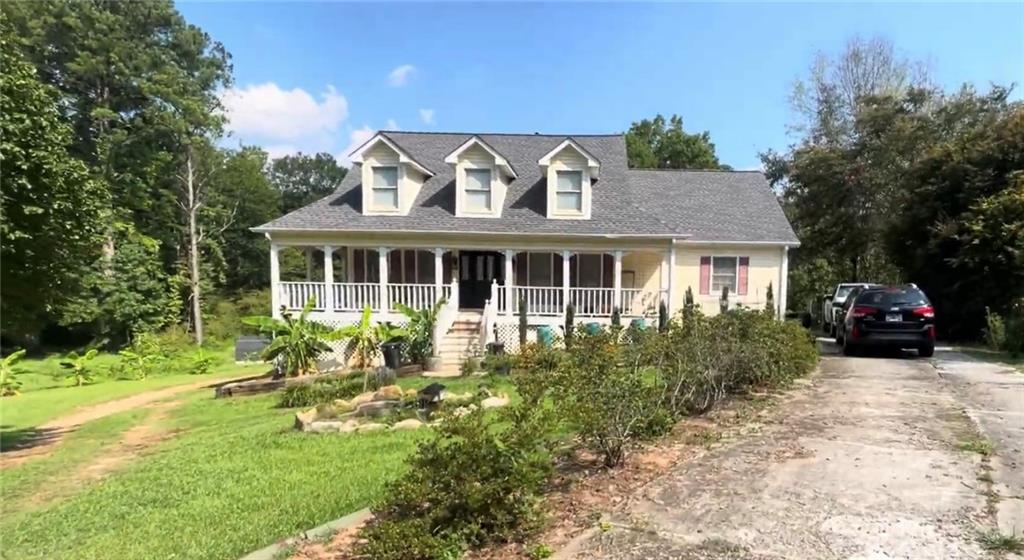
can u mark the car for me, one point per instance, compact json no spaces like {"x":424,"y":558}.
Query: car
{"x":831,"y":305}
{"x":889,"y":317}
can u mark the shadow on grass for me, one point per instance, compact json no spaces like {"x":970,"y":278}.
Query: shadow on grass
{"x":26,"y":438}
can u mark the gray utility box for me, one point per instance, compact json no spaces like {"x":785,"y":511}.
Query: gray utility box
{"x":249,"y":348}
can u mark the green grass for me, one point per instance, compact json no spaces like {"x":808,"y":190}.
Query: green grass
{"x":32,"y":408}
{"x":998,"y":542}
{"x":236,"y":478}
{"x":980,"y":446}
{"x":988,"y":355}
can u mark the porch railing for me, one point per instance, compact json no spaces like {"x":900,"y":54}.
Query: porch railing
{"x":294,"y":295}
{"x":592,"y":302}
{"x":416,"y":296}
{"x":355,"y":297}
{"x":540,"y":300}
{"x":641,"y":302}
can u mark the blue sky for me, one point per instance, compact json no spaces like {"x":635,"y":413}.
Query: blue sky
{"x":321,"y":76}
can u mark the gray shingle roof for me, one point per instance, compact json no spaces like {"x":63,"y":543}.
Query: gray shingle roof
{"x":700,"y":205}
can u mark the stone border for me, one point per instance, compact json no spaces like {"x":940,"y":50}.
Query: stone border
{"x":350,"y":520}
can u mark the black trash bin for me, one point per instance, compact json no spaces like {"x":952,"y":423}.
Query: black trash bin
{"x":496,"y":348}
{"x":392,"y":354}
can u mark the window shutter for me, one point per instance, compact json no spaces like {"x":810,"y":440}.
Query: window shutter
{"x":705,"y":276}
{"x":741,"y":282}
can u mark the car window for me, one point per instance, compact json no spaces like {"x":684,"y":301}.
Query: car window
{"x":843,"y":291}
{"x":892,"y":297}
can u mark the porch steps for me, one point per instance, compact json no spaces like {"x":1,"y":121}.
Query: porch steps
{"x":461,"y":340}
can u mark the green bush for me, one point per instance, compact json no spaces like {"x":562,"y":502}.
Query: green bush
{"x":474,"y":483}
{"x":995,"y":330}
{"x":321,"y":391}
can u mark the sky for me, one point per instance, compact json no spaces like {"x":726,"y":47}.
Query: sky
{"x":315,"y":77}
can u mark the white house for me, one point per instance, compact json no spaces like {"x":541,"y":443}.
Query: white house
{"x":487,"y":221}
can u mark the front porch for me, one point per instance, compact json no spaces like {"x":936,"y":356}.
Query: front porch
{"x":495,"y":283}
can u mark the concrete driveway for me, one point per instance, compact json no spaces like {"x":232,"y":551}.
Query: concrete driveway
{"x":865,"y":463}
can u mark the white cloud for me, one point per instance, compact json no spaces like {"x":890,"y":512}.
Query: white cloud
{"x":427,"y":116}
{"x":275,"y":151}
{"x":400,"y":76}
{"x":356,"y":138}
{"x":392,"y":125}
{"x":268,"y":112}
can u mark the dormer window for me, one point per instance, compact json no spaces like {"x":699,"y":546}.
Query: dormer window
{"x":569,"y":191}
{"x":478,"y":190}
{"x":385,"y":187}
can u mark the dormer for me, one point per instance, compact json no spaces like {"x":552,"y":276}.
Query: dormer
{"x":569,"y":169}
{"x":391,"y":178}
{"x":482,"y":176}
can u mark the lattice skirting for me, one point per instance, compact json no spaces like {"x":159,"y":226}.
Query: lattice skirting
{"x":342,"y":351}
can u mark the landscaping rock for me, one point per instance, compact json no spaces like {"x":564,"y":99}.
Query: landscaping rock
{"x":342,"y":406}
{"x":321,"y":426}
{"x":408,"y":424}
{"x":376,"y":408}
{"x":389,"y":392}
{"x":459,"y":397}
{"x":410,"y":392}
{"x":371,"y":427}
{"x":304,"y":418}
{"x":349,"y":426}
{"x":494,"y":402}
{"x":361,"y":398}
{"x":464,"y":410}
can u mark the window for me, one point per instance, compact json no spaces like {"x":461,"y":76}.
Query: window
{"x":569,"y":191}
{"x":723,"y":273}
{"x":478,"y":190}
{"x":385,"y":188}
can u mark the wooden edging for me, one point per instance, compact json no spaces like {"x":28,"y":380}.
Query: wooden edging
{"x":271,"y":552}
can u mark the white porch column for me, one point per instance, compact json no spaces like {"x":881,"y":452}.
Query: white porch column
{"x":565,"y":279}
{"x":439,"y":272}
{"x":617,"y":281}
{"x":509,"y":280}
{"x":328,"y":279}
{"x":275,"y":281}
{"x":382,"y":256}
{"x":783,"y":283}
{"x":671,"y":276}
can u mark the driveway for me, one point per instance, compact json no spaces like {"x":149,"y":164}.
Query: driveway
{"x":862,"y":464}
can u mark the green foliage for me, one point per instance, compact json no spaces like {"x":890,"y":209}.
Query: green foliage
{"x":663,"y":313}
{"x":570,"y":324}
{"x":320,"y":391}
{"x":302,"y":179}
{"x":78,"y":367}
{"x":474,"y":483}
{"x":769,"y":300}
{"x":53,"y":212}
{"x":467,"y":367}
{"x":616,"y":319}
{"x":420,"y":330}
{"x":540,"y":551}
{"x":657,"y":143}
{"x":523,"y":322}
{"x":995,"y":330}
{"x":366,"y":338}
{"x":297,"y":341}
{"x":202,"y":363}
{"x":9,"y":371}
{"x":723,"y":301}
{"x":498,"y":364}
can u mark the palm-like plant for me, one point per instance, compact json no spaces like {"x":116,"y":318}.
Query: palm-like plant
{"x":78,"y":366}
{"x":366,"y":339}
{"x":297,"y":341}
{"x":420,"y":331}
{"x":9,"y":384}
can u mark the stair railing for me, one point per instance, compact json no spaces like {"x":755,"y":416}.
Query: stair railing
{"x":490,"y":316}
{"x":446,"y":317}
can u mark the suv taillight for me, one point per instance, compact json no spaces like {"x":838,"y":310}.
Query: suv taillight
{"x":859,"y":311}
{"x":926,"y":311}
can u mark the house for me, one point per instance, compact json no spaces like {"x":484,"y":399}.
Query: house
{"x":489,"y":222}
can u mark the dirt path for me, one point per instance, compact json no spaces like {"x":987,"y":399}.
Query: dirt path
{"x":861,"y":465}
{"x":50,"y":434}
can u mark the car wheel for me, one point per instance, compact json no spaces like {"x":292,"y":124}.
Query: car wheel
{"x":926,"y":351}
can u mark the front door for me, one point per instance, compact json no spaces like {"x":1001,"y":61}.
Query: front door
{"x":477,"y":269}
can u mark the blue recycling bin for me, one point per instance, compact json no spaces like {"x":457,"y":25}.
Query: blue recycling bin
{"x":545,"y":336}
{"x":592,"y":328}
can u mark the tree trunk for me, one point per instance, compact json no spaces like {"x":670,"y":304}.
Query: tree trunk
{"x":193,"y":247}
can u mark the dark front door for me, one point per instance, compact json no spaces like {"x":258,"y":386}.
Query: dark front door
{"x":477,"y":269}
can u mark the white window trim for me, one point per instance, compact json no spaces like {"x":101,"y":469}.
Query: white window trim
{"x":734,"y":289}
{"x":373,"y":188}
{"x":489,"y":190}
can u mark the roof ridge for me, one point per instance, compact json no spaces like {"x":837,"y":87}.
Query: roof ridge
{"x":528,"y":134}
{"x":697,"y":170}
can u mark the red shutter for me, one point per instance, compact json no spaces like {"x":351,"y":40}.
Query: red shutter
{"x":741,"y":282}
{"x":705,"y":276}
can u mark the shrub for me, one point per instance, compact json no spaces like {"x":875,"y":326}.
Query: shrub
{"x":420,"y":330}
{"x":995,"y":330}
{"x":321,"y":391}
{"x":498,"y":364}
{"x":382,"y":377}
{"x":570,"y":323}
{"x":663,"y":314}
{"x":202,"y":363}
{"x":9,"y":371}
{"x":467,"y":367}
{"x":473,"y":483}
{"x":523,"y":322}
{"x":616,"y":319}
{"x":77,"y":366}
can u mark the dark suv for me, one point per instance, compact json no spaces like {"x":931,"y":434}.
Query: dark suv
{"x":893,"y":317}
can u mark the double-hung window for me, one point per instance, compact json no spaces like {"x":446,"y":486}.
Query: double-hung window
{"x":385,"y":188}
{"x":478,"y":190}
{"x":569,"y":191}
{"x":723,"y":273}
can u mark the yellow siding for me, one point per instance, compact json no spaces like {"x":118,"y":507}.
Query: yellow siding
{"x":646,"y":267}
{"x":568,"y":159}
{"x":765,"y":263}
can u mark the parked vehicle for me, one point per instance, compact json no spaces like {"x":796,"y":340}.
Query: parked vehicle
{"x":894,"y":317}
{"x":831,"y":305}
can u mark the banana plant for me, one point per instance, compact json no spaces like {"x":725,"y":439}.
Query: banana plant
{"x":78,"y":366}
{"x":420,"y":331}
{"x":9,"y":384}
{"x":366,"y":338}
{"x":297,"y":341}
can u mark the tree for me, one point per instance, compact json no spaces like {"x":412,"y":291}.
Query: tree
{"x":302,"y":179}
{"x":52,"y":212}
{"x":655,"y":143}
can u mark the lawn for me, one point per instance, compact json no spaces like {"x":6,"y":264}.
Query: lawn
{"x":42,"y":400}
{"x":236,"y":477}
{"x":989,"y":355}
